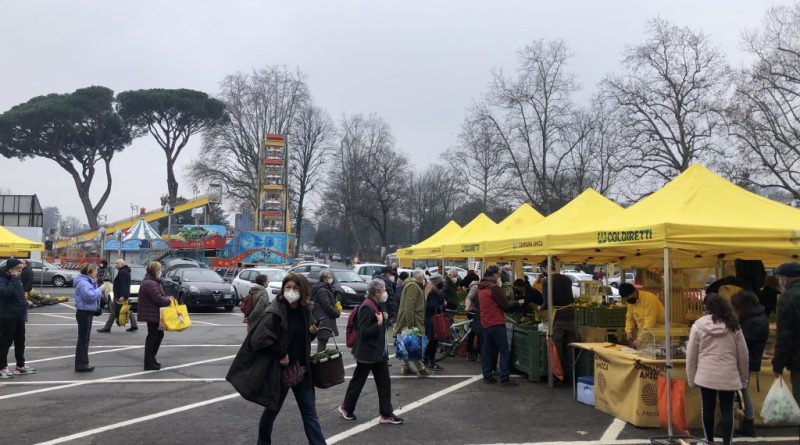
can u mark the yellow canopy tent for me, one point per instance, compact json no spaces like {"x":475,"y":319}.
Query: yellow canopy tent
{"x":700,"y":217}
{"x":535,"y":240}
{"x":475,"y":246}
{"x":471,"y":231}
{"x":422,"y":247}
{"x":15,"y":245}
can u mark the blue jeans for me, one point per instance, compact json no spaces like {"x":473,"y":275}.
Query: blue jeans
{"x":494,"y":341}
{"x":304,"y":394}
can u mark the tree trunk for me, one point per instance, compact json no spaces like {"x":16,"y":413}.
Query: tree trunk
{"x":172,"y":189}
{"x":86,"y":201}
{"x":298,"y":225}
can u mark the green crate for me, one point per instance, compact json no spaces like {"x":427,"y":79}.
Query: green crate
{"x":585,"y":364}
{"x":529,"y":353}
{"x":604,"y":317}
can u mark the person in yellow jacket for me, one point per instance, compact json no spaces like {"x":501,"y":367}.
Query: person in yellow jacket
{"x":645,"y":310}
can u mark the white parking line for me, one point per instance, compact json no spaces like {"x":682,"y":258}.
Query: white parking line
{"x":137,"y":420}
{"x":194,"y":380}
{"x":205,"y":323}
{"x":640,"y":441}
{"x":411,"y":406}
{"x":91,"y":353}
{"x":68,"y":305}
{"x":613,"y":431}
{"x":96,"y":323}
{"x":118,"y":377}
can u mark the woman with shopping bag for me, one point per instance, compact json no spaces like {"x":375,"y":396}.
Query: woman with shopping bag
{"x":717,"y":362}
{"x":273,"y":359}
{"x":151,"y":299}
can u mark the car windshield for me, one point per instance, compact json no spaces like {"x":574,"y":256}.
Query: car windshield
{"x":202,"y":275}
{"x":137,"y":275}
{"x":274,"y":275}
{"x":348,"y":276}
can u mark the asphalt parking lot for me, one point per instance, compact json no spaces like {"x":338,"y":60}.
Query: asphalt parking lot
{"x":188,"y":400}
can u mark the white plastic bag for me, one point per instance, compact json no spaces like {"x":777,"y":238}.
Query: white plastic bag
{"x":779,"y":407}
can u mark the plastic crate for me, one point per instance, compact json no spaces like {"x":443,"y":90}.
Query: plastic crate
{"x":604,"y":317}
{"x":529,"y":353}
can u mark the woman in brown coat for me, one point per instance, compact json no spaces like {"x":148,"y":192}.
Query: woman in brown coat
{"x":151,"y":299}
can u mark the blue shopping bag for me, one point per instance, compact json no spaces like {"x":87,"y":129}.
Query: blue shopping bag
{"x":414,"y":345}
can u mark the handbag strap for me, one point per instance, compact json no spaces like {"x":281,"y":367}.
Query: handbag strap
{"x":335,"y":343}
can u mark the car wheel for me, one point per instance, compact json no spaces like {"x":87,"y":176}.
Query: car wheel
{"x":229,"y":308}
{"x":58,"y":281}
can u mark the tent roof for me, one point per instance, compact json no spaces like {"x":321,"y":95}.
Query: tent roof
{"x":141,"y":231}
{"x":524,"y":216}
{"x":11,"y":243}
{"x":433,"y":240}
{"x":699,"y":216}
{"x":534,"y":240}
{"x":465,"y":242}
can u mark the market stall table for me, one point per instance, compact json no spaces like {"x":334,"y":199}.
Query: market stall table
{"x":626,"y":385}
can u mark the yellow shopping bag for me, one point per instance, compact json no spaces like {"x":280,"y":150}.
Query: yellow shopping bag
{"x":175,"y":317}
{"x":122,"y":316}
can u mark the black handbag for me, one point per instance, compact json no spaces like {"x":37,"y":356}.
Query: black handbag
{"x":327,"y":370}
{"x":292,"y":375}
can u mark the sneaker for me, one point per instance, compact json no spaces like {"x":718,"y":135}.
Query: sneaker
{"x":132,"y":329}
{"x":406,"y":371}
{"x":423,"y":372}
{"x":345,"y":415}
{"x":391,"y":420}
{"x":6,"y":373}
{"x":103,"y":330}
{"x":25,"y":369}
{"x":435,"y":367}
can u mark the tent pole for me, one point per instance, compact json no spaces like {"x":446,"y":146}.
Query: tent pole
{"x":550,"y":314}
{"x":668,"y":337}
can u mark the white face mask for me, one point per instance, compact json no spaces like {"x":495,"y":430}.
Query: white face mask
{"x":329,"y":280}
{"x":158,"y":274}
{"x":291,"y":296}
{"x":392,"y":279}
{"x":500,"y":282}
{"x":384,"y":297}
{"x":454,"y":279}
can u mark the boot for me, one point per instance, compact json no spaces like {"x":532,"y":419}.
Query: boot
{"x":746,"y":428}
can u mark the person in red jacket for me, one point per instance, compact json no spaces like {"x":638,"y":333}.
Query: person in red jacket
{"x":493,"y":304}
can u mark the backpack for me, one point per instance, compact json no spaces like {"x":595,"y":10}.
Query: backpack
{"x":247,"y":304}
{"x":351,"y":331}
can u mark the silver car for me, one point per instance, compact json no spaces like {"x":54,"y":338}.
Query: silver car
{"x":48,"y":273}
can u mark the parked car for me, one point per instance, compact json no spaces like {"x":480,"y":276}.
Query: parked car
{"x":577,"y":277}
{"x":137,"y":275}
{"x":48,"y":273}
{"x":614,"y":281}
{"x":336,"y":257}
{"x":348,"y":286}
{"x":175,"y":263}
{"x":198,"y":287}
{"x":368,"y":270}
{"x":305,"y":268}
{"x":245,"y":279}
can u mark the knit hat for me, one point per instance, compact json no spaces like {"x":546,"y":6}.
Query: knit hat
{"x":12,"y":263}
{"x":626,"y":289}
{"x":789,"y":270}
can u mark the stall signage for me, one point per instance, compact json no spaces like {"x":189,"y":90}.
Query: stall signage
{"x":466,"y":248}
{"x":795,"y":239}
{"x":624,"y":236}
{"x":527,"y":244}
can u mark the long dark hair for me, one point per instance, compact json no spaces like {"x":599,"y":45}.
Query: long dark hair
{"x":305,"y":289}
{"x":721,"y":311}
{"x":744,"y":303}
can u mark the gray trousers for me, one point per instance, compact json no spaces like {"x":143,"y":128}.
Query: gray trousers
{"x":112,"y":315}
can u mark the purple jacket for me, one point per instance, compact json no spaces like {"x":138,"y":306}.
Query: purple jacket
{"x":151,"y":299}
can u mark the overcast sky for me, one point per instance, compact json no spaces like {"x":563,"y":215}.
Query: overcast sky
{"x":416,"y":63}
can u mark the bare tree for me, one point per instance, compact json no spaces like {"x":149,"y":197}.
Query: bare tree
{"x":480,"y":160}
{"x":672,"y":94}
{"x":763,"y":117}
{"x":257,"y":103}
{"x":432,"y":198}
{"x":530,"y":114}
{"x":310,"y":146}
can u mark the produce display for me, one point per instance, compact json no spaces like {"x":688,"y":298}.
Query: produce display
{"x":600,"y":315}
{"x":321,"y":357}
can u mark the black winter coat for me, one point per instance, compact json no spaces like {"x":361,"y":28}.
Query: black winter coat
{"x":256,"y":371}
{"x":787,"y":345}
{"x":450,"y":293}
{"x":324,"y":302}
{"x":27,"y":279}
{"x":755,"y":328}
{"x":370,"y":345}
{"x":769,"y":299}
{"x":122,"y":283}
{"x":12,"y":297}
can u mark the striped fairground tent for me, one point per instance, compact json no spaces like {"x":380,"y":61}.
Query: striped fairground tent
{"x":142,"y":231}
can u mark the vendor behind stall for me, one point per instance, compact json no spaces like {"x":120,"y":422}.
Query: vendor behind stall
{"x":645,"y":310}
